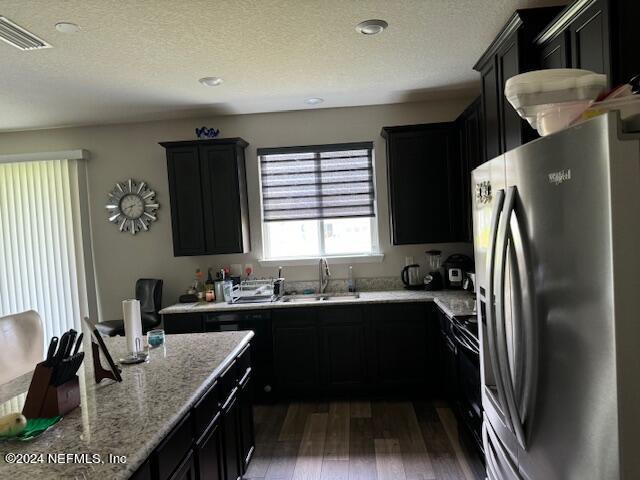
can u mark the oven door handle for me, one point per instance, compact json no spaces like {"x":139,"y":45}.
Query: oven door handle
{"x":462,"y":341}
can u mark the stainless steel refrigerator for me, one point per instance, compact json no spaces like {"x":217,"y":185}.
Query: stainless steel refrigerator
{"x":557,"y":249}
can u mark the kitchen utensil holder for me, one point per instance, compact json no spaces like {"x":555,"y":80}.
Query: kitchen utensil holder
{"x":45,"y":400}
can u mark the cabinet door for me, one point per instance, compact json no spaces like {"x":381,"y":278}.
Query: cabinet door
{"x":512,"y":124}
{"x":295,"y":348}
{"x":185,"y":194}
{"x":186,"y":470}
{"x":557,"y":53}
{"x":343,"y":348}
{"x":400,"y":346}
{"x":590,"y":40}
{"x":490,"y":110}
{"x":231,"y":437}
{"x":183,"y":323}
{"x":418,"y":172}
{"x":221,"y":190}
{"x":247,"y":436}
{"x":143,"y":473}
{"x":209,"y":453}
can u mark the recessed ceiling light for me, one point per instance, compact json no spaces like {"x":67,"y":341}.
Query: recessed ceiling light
{"x":67,"y":27}
{"x":371,"y":27}
{"x":211,"y":81}
{"x":314,"y":100}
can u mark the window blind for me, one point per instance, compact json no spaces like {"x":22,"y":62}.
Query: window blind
{"x":39,"y":269}
{"x":317,"y":182}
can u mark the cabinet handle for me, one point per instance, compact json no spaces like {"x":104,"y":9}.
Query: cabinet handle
{"x":229,"y":398}
{"x":245,"y":377}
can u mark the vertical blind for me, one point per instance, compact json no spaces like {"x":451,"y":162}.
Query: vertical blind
{"x":317,"y":182}
{"x":39,"y":270}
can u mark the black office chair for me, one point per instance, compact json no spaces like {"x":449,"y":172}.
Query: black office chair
{"x":149,"y":293}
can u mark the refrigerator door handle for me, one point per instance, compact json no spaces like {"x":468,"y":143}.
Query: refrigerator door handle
{"x":501,"y":334}
{"x":491,"y":310}
{"x":492,"y":468}
{"x":524,"y":316}
{"x":504,"y":458}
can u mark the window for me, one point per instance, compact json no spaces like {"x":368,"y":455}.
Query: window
{"x":318,"y":200}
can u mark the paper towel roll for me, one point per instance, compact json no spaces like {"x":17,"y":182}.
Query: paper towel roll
{"x":132,"y":323}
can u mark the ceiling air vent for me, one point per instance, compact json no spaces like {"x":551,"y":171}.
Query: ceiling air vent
{"x":18,"y":37}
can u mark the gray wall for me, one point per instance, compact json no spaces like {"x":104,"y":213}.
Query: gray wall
{"x":131,"y":150}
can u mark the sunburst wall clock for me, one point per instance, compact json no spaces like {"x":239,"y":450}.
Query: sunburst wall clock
{"x":132,"y":206}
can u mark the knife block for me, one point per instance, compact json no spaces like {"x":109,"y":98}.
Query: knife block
{"x":45,"y":400}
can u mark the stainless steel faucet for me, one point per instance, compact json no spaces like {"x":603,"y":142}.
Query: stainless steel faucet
{"x":323,"y":275}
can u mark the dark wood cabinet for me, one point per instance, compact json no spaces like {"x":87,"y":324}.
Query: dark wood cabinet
{"x":208,"y":452}
{"x":182,"y":323}
{"x":231,"y":437}
{"x":344,"y":358}
{"x":423,"y":182}
{"x":510,"y":54}
{"x":247,"y":434}
{"x":295,"y":350}
{"x":469,"y":126}
{"x":143,"y":473}
{"x":186,"y":470}
{"x":208,"y":196}
{"x":596,"y":35}
{"x":556,"y":53}
{"x":215,"y":439}
{"x":400,"y":346}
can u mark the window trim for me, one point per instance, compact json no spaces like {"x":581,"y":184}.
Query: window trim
{"x":375,"y":256}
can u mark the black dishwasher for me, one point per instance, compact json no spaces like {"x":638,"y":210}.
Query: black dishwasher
{"x":261,"y":352}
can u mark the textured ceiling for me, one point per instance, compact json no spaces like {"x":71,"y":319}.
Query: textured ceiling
{"x":139,"y":60}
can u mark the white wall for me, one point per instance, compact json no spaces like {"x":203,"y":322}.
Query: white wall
{"x":131,"y":150}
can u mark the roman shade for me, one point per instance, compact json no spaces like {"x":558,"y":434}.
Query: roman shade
{"x":317,"y":182}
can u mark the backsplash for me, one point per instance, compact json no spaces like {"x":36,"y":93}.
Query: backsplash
{"x":372,"y":284}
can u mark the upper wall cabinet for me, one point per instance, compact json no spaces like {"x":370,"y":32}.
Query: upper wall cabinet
{"x":208,"y":193}
{"x":424,"y":179}
{"x":596,"y":35}
{"x":510,"y":54}
{"x":469,"y":128}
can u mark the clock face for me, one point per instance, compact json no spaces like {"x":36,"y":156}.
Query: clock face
{"x":132,"y":206}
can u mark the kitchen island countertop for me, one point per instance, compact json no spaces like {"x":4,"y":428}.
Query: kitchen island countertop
{"x":128,"y":419}
{"x":454,"y":303}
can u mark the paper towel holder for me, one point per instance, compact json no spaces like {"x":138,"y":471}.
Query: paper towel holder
{"x":97,"y":345}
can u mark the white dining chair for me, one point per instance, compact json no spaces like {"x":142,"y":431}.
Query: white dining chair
{"x":21,"y":344}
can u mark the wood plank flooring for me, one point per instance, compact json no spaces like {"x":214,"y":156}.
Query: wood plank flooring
{"x":359,"y":440}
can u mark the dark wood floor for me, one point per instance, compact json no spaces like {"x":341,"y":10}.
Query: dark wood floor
{"x":349,"y":440}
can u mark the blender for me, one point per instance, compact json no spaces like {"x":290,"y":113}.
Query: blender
{"x":433,"y":280}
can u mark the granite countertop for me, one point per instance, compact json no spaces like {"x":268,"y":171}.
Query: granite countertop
{"x":454,"y":303}
{"x":129,"y":418}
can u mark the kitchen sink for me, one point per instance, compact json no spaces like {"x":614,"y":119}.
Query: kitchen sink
{"x":320,"y":298}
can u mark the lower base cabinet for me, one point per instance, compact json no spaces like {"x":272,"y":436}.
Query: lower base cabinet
{"x":247,"y":434}
{"x":186,"y":470}
{"x":231,"y":437}
{"x":215,"y":439}
{"x":354,"y":349}
{"x":209,"y":452}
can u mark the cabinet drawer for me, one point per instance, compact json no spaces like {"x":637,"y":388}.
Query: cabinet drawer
{"x":174,"y":448}
{"x":228,"y":381}
{"x":205,"y":410}
{"x":243,"y":362}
